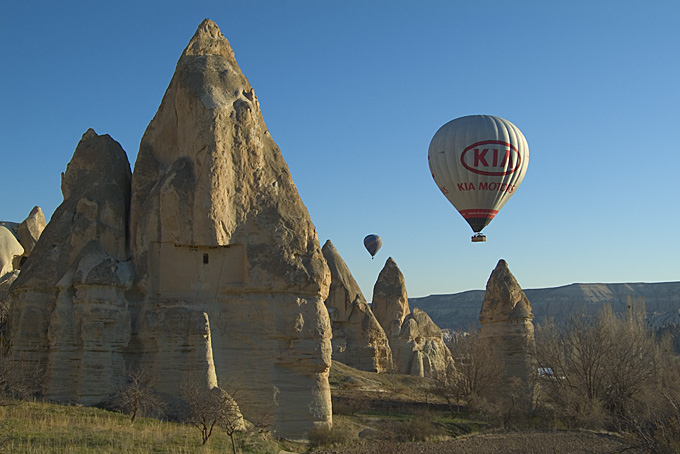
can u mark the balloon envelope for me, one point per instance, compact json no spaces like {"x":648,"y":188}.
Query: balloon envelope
{"x":373,"y":243}
{"x":478,"y":162}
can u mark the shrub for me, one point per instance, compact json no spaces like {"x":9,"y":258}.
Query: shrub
{"x":418,"y":429}
{"x":605,"y":372}
{"x":337,"y":434}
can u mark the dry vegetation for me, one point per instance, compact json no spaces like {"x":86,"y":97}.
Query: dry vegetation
{"x":608,"y":385}
{"x":37,"y":428}
{"x":613,"y":387}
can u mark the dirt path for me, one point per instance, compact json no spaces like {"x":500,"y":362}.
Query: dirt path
{"x":510,"y":443}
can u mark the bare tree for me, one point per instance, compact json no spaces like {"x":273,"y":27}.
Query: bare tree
{"x":599,"y":368}
{"x":212,"y":407}
{"x":476,"y":376}
{"x":203,"y":413}
{"x":20,"y":378}
{"x":138,"y":397}
{"x":230,"y":418}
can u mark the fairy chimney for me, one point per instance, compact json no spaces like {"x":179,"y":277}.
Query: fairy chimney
{"x":506,"y":321}
{"x":221,"y":238}
{"x":358,"y":339}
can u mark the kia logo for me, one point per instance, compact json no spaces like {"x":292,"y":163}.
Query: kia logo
{"x":491,"y":157}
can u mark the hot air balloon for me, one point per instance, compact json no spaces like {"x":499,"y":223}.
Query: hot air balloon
{"x":373,"y":243}
{"x":478,"y":162}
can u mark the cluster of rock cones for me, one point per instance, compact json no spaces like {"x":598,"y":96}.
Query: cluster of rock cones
{"x":203,"y":265}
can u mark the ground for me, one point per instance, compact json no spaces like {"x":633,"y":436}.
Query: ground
{"x":510,"y":443}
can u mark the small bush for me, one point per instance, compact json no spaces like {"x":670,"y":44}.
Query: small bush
{"x":338,"y":434}
{"x":350,"y":406}
{"x":419,"y":429}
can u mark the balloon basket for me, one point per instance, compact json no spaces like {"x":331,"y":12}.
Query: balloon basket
{"x":478,"y":238}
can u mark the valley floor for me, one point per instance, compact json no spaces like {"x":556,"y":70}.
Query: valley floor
{"x":506,"y":443}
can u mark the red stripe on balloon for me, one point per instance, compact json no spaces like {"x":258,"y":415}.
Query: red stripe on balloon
{"x":478,"y":213}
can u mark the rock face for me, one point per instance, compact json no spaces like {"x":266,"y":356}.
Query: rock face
{"x":417,"y":344}
{"x":68,"y":310}
{"x":201,"y":268}
{"x":358,"y":339}
{"x":30,"y":229}
{"x":419,"y":348}
{"x":11,"y":251}
{"x":506,"y":320}
{"x":227,"y":260}
{"x":16,"y":243}
{"x":390,"y":300}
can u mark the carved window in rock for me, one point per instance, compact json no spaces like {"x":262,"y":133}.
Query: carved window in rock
{"x":179,"y":271}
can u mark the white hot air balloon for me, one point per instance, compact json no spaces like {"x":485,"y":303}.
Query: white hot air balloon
{"x":478,"y":162}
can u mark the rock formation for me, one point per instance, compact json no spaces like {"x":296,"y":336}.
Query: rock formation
{"x":417,"y":344}
{"x":390,"y":300}
{"x":220,"y":281}
{"x":419,"y":348}
{"x":506,"y":320}
{"x":358,"y":339}
{"x":30,"y":229}
{"x":16,"y":243}
{"x":227,"y":259}
{"x":19,"y":237}
{"x":11,"y":251}
{"x":69,"y":313}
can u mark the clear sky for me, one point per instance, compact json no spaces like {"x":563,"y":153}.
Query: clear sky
{"x":353,"y":91}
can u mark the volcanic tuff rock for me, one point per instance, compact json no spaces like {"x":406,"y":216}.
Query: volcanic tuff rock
{"x":17,"y":240}
{"x":507,"y":324}
{"x":68,"y":310}
{"x":417,"y":343}
{"x":221,"y":280}
{"x":10,"y":251}
{"x":358,"y":339}
{"x":420,"y":349}
{"x":390,"y":300}
{"x":22,"y":237}
{"x":30,"y":229}
{"x":224,"y":249}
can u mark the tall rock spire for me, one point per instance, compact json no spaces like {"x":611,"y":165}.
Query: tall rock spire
{"x":506,"y":320}
{"x":220,"y":236}
{"x":208,"y":173}
{"x":390,"y":300}
{"x":69,"y":315}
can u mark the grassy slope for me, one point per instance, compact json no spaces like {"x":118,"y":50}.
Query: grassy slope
{"x":36,"y":427}
{"x":362,"y":400}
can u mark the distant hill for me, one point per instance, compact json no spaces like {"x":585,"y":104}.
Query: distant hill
{"x":461,"y":310}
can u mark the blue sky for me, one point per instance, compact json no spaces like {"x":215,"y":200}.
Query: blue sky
{"x":352,"y":92}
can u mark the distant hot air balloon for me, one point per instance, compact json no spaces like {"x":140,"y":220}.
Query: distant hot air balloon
{"x":478,"y":162}
{"x":373,"y":243}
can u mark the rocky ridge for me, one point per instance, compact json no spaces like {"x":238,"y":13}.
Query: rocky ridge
{"x":459,"y":311}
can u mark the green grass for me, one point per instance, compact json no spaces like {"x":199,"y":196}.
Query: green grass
{"x":36,"y":427}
